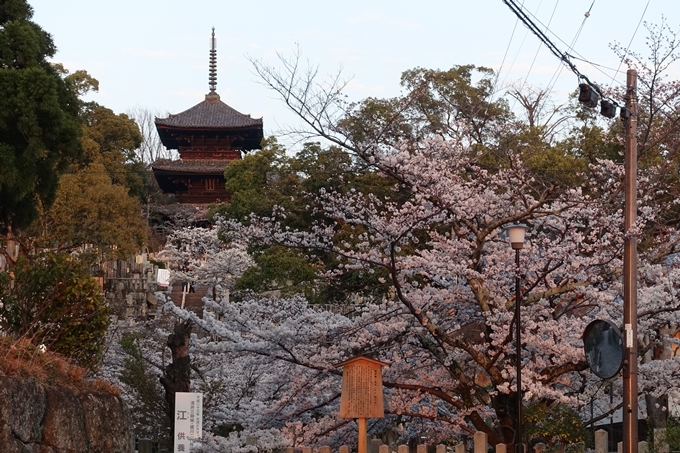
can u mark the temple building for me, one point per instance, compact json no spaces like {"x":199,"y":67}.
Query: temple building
{"x":207,"y":136}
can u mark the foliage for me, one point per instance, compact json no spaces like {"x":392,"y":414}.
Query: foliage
{"x":95,"y":216}
{"x":280,"y":269}
{"x":554,"y":425}
{"x":668,"y":438}
{"x":52,"y":301}
{"x":39,"y":125}
{"x":111,"y":140}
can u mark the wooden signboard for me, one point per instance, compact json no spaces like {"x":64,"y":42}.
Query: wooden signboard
{"x":362,"y":395}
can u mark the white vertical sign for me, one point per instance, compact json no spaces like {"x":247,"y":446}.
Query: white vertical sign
{"x":163,"y":277}
{"x":188,"y":420}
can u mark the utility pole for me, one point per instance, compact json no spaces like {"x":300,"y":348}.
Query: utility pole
{"x":630,"y":261}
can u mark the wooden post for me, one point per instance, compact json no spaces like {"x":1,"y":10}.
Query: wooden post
{"x":363,"y":438}
{"x":361,"y":396}
{"x":460,"y":448}
{"x":402,"y":449}
{"x":440,"y":449}
{"x":630,"y":261}
{"x":325,"y":449}
{"x":501,"y":448}
{"x":421,"y":448}
{"x":539,"y":447}
{"x":344,"y":449}
{"x":480,"y":442}
{"x":384,"y":449}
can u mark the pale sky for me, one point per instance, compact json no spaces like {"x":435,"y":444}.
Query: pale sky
{"x":154,"y":54}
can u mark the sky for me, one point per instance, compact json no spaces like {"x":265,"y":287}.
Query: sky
{"x":153,"y":54}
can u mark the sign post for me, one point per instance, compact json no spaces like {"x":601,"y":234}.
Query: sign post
{"x":188,"y":420}
{"x":362,"y":395}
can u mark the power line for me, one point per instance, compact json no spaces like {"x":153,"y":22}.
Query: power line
{"x":631,"y":42}
{"x":552,"y":47}
{"x":507,"y":49}
{"x":518,"y":50}
{"x":557,"y":73}
{"x":539,"y":47}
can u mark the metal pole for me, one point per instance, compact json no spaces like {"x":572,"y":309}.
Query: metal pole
{"x":630,"y":258}
{"x":518,"y":302}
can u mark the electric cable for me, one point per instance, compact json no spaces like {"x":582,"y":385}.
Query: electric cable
{"x":518,"y":50}
{"x":553,"y":48}
{"x":557,"y":73}
{"x":631,"y":42}
{"x":539,"y":46}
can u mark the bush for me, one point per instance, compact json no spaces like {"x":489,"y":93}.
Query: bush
{"x":50,"y":300}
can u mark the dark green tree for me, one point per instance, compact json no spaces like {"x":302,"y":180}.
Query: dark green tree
{"x":39,"y":126}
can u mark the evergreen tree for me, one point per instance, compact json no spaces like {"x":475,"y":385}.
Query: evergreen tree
{"x":39,"y":124}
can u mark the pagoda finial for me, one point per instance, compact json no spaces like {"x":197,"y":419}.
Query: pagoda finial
{"x":212,"y":75}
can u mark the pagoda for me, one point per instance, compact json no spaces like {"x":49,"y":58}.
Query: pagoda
{"x":207,"y":136}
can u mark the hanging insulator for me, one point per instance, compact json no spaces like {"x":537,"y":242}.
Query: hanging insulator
{"x":587,"y":96}
{"x":607,"y":109}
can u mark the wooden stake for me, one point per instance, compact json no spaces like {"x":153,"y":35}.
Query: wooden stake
{"x":363,"y":437}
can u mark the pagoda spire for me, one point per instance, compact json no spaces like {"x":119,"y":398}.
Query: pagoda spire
{"x":212,"y":75}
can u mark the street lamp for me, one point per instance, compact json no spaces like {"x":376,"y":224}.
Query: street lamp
{"x":516,"y":233}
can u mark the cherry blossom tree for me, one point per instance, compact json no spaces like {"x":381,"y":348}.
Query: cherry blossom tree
{"x":448,"y":330}
{"x":437,"y":244}
{"x":199,"y":255}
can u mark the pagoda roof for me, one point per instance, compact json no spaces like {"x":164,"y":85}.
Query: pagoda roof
{"x":212,"y":113}
{"x":195,"y":166}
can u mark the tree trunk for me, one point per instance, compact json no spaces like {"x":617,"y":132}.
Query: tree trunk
{"x":176,"y":377}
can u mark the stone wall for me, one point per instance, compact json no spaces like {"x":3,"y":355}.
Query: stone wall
{"x":44,"y":419}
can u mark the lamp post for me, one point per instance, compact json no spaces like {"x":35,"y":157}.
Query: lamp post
{"x":516,"y":233}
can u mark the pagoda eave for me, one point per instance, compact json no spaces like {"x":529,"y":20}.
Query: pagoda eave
{"x":237,"y":138}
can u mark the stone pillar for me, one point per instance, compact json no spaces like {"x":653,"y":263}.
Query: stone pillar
{"x":460,"y":448}
{"x":501,"y":448}
{"x":619,"y":447}
{"x":539,"y":448}
{"x":421,"y":449}
{"x":384,"y":449}
{"x":440,"y":449}
{"x":374,"y":445}
{"x":642,"y":447}
{"x":402,"y":449}
{"x":480,"y":442}
{"x":601,"y":441}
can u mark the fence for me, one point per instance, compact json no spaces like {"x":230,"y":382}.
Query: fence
{"x":480,"y":446}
